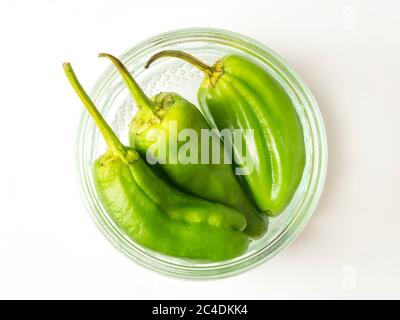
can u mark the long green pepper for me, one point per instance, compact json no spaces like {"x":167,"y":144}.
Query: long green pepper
{"x":212,"y":181}
{"x":153,"y":213}
{"x":237,"y":93}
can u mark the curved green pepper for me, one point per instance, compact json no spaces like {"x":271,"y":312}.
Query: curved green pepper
{"x":212,"y":181}
{"x":237,"y":93}
{"x":153,"y":213}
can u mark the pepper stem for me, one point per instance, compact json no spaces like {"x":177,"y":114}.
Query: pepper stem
{"x":113,"y":143}
{"x":184,"y":56}
{"x":137,"y":93}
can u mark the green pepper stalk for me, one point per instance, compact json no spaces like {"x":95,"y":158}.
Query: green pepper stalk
{"x":153,"y":213}
{"x":151,"y":127}
{"x":237,"y":93}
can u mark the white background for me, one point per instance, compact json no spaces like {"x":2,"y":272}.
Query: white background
{"x":347,"y":51}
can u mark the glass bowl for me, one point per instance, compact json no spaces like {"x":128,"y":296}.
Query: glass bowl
{"x":114,"y":102}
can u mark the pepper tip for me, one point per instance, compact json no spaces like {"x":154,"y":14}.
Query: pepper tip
{"x":66,"y":66}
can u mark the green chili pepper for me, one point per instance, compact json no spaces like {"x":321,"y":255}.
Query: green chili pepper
{"x":153,"y":213}
{"x":237,"y":93}
{"x":151,"y":127}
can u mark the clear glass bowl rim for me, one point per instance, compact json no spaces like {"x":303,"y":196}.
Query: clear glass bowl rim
{"x":232,"y":267}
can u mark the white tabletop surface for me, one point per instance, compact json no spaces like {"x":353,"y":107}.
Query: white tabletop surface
{"x":347,"y":51}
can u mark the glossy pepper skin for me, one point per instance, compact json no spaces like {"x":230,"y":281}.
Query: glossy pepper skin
{"x":151,"y":127}
{"x":153,"y":213}
{"x":237,"y":93}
